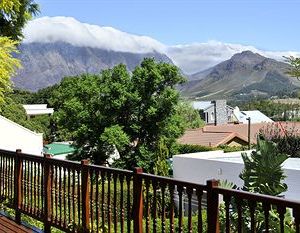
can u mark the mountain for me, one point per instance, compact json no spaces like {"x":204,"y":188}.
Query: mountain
{"x":244,"y":75}
{"x":45,"y":64}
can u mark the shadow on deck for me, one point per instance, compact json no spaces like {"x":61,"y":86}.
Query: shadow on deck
{"x":9,"y":226}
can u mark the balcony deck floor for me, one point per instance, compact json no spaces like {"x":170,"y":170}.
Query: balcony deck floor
{"x":9,"y":226}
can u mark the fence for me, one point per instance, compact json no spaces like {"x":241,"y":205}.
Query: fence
{"x":78,"y":197}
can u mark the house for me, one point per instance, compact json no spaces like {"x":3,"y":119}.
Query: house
{"x":254,"y":115}
{"x":202,"y":166}
{"x":14,"y":136}
{"x":215,"y":112}
{"x":216,"y":135}
{"x":59,"y":150}
{"x":33,"y":110}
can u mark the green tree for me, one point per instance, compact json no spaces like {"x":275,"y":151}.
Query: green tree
{"x":263,"y":174}
{"x":134,"y":109}
{"x":263,"y":171}
{"x":14,"y":14}
{"x":14,"y":111}
{"x":294,"y":70}
{"x":8,"y":65}
{"x":189,"y":115}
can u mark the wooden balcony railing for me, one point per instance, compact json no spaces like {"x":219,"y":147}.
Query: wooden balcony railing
{"x":78,"y":197}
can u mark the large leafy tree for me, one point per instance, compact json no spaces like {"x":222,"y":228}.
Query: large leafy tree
{"x":14,"y":14}
{"x":118,"y":109}
{"x":8,"y":65}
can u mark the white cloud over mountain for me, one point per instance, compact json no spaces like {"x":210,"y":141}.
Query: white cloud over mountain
{"x":190,"y":58}
{"x":53,"y":29}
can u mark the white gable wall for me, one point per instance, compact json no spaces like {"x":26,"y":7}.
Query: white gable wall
{"x":203,"y":166}
{"x":14,"y":136}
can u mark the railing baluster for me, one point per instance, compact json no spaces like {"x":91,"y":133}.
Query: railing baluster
{"x":252,"y":206}
{"x":97,"y":200}
{"x":239,"y":210}
{"x":296,"y":215}
{"x":85,"y":201}
{"x":180,"y":193}
{"x":171,"y":190}
{"x":147,"y":186}
{"x":78,"y":196}
{"x":281,"y":211}
{"x":103,"y":200}
{"x":266,"y":208}
{"x":69,"y":195}
{"x":128,"y":215}
{"x":154,"y":206}
{"x":92,"y":200}
{"x":121,"y":203}
{"x":39,"y":185}
{"x":189,"y":194}
{"x":64,"y":188}
{"x":73,"y":197}
{"x":48,"y":173}
{"x":227,"y":199}
{"x":18,"y":185}
{"x":115,"y":179}
{"x":199,"y":199}
{"x":163,"y":210}
{"x":108,"y":202}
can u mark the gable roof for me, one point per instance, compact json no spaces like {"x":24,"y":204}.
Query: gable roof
{"x":255,"y":116}
{"x":211,"y":135}
{"x":202,"y":105}
{"x":59,"y":149}
{"x":37,"y":109}
{"x":208,"y":137}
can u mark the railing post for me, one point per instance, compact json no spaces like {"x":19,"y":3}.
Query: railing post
{"x":138,"y":200}
{"x":47,"y":194}
{"x":212,"y":207}
{"x":18,"y":184}
{"x":85,"y":195}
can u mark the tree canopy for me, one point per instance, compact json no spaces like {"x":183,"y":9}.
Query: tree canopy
{"x":14,"y":14}
{"x":294,"y":71}
{"x":8,"y":65}
{"x":119,"y":109}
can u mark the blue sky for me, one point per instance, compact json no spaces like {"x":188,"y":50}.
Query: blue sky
{"x":265,"y":24}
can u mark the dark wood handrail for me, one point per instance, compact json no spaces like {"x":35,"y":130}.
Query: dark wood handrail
{"x":89,"y":197}
{"x":278,"y":201}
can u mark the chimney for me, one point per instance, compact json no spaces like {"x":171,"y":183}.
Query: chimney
{"x":220,"y":112}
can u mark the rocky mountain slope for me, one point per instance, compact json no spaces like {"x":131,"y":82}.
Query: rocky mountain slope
{"x":244,"y":75}
{"x":45,"y":64}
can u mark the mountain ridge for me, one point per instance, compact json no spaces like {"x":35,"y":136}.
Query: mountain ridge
{"x":243,"y":74}
{"x":45,"y":64}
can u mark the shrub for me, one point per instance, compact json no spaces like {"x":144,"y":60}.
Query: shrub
{"x":286,"y":137}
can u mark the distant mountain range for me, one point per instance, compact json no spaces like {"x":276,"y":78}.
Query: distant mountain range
{"x":45,"y":64}
{"x":55,"y":47}
{"x":244,"y":75}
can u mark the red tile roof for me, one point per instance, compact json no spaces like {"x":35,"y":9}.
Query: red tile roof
{"x":211,"y":135}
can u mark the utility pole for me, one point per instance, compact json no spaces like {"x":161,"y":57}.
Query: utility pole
{"x":249,"y":131}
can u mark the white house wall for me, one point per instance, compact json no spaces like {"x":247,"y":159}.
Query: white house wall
{"x":14,"y":136}
{"x":200,"y":167}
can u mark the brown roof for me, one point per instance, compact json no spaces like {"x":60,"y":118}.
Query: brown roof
{"x":211,"y":135}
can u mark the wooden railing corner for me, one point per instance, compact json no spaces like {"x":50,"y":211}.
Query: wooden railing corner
{"x":212,"y":207}
{"x":138,"y":200}
{"x":85,"y":195}
{"x":17,"y":185}
{"x":47,"y":194}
